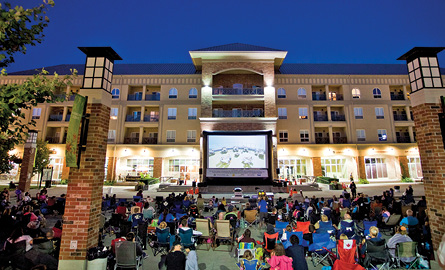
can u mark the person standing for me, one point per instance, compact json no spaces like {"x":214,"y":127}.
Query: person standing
{"x":262,"y":206}
{"x":353,"y":188}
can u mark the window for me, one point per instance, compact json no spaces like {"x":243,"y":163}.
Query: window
{"x":282,"y":113}
{"x":111,"y":135}
{"x":171,"y":113}
{"x":382,"y":135}
{"x":292,"y":168}
{"x":358,"y":112}
{"x":98,"y":73}
{"x":301,"y":93}
{"x":193,"y":112}
{"x":281,"y":93}
{"x":115,"y":93}
{"x":334,"y":167}
{"x":193,"y":93}
{"x":237,"y":112}
{"x":304,"y":135}
{"x":191,"y":135}
{"x":302,"y":112}
{"x":183,"y":168}
{"x":379,"y":113}
{"x":355,"y":93}
{"x":283,"y":136}
{"x":36,"y":112}
{"x":171,"y":135}
{"x":377,"y":93}
{"x":173,"y":93}
{"x":415,"y":168}
{"x":428,"y":69}
{"x":113,"y":113}
{"x":375,"y":168}
{"x":361,"y":136}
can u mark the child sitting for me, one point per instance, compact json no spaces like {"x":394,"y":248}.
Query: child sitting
{"x":248,"y":262}
{"x":279,"y":260}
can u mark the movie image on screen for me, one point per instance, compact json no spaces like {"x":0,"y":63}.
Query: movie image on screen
{"x":237,"y":152}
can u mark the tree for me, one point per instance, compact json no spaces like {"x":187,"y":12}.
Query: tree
{"x":42,"y":157}
{"x":19,"y":28}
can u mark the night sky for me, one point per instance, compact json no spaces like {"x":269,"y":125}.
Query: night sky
{"x":163,"y":31}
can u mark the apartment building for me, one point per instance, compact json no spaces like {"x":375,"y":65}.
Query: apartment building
{"x":327,"y":119}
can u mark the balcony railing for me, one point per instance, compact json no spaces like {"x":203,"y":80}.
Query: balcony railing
{"x":400,"y":117}
{"x":135,"y":96}
{"x":338,"y":117}
{"x":149,"y":140}
{"x":55,"y":117}
{"x":336,"y":97}
{"x":131,"y":140}
{"x":72,"y":97}
{"x":60,"y":96}
{"x":153,"y":96}
{"x":322,"y":140}
{"x":68,"y":117}
{"x":238,"y":91}
{"x":397,"y":96}
{"x":132,"y":118}
{"x":403,"y":139}
{"x":243,"y":113}
{"x":53,"y":139}
{"x":318,"y":96}
{"x":150,"y":118}
{"x":111,"y":140}
{"x":318,"y":117}
{"x":340,"y":140}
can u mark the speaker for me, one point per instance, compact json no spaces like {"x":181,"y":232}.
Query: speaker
{"x":278,"y":170}
{"x":200,"y":171}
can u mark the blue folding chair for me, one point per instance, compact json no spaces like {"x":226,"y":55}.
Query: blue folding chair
{"x":162,"y":245}
{"x":137,"y":198}
{"x":320,"y":248}
{"x":301,"y":241}
{"x":186,"y":237}
{"x":326,"y":227}
{"x":347,"y":228}
{"x":279,"y":226}
{"x":367,"y":225}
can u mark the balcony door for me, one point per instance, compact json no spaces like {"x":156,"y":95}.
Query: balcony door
{"x":376,"y":168}
{"x":237,"y":112}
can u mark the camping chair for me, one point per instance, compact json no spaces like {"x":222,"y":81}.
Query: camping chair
{"x":303,"y":226}
{"x":377,"y":254}
{"x":223,"y":232}
{"x":251,"y":217}
{"x":406,"y":255}
{"x":392,"y":222}
{"x":250,"y":265}
{"x":162,"y":245}
{"x":343,"y":211}
{"x":367,"y":225}
{"x":233,"y":220}
{"x":126,"y":256}
{"x":135,"y":209}
{"x":203,"y":226}
{"x":321,"y":248}
{"x":279,"y":226}
{"x":347,"y":251}
{"x":326,"y":227}
{"x":186,"y":237}
{"x":269,"y":241}
{"x":347,"y":228}
{"x":242,"y":247}
{"x":302,"y":242}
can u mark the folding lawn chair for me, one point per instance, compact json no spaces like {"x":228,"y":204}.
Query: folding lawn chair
{"x":251,"y":217}
{"x":407,"y":255}
{"x":186,"y":237}
{"x":390,"y":225}
{"x":347,"y":251}
{"x":162,"y":245}
{"x":326,"y":227}
{"x":347,"y":228}
{"x":377,"y":253}
{"x":367,"y":225}
{"x":321,"y":248}
{"x":303,"y":226}
{"x":223,"y":232}
{"x":126,"y":256}
{"x":242,"y":247}
{"x":203,"y":226}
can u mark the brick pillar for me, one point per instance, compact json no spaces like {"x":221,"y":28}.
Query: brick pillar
{"x":26,"y":167}
{"x":111,"y":169}
{"x":361,"y":167}
{"x":157,"y":167}
{"x":403,"y":161}
{"x":65,"y":170}
{"x":316,"y":163}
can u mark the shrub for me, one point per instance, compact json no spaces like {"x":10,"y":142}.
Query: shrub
{"x":406,"y":179}
{"x":363,"y":181}
{"x":64,"y":182}
{"x":109,"y":183}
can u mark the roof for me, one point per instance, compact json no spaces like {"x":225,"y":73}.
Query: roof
{"x":344,"y":69}
{"x":237,"y":47}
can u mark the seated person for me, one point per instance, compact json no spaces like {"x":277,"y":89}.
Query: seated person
{"x":372,"y":236}
{"x":118,"y":238}
{"x":272,"y":217}
{"x":166,"y":216}
{"x":248,"y":262}
{"x":278,"y":259}
{"x":409,"y":220}
{"x":385,"y":214}
{"x":122,"y":210}
{"x":296,"y":252}
{"x":399,"y":237}
{"x":422,"y":202}
{"x":246,"y":237}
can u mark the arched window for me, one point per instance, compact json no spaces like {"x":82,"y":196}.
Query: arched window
{"x":301,"y":93}
{"x":355,"y":93}
{"x":115,"y":93}
{"x":377,"y":93}
{"x":281,"y":93}
{"x":173,"y":93}
{"x":193,"y":93}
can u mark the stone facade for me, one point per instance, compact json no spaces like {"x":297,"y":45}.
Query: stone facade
{"x":403,"y":161}
{"x":157,"y":167}
{"x":316,"y":163}
{"x":361,"y":167}
{"x":111,"y":169}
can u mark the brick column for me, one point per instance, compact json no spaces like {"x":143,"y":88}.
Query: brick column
{"x":316,"y":163}
{"x":26,"y":167}
{"x":361,"y":167}
{"x":403,"y":161}
{"x":111,"y":169}
{"x":65,"y":170}
{"x":157,"y":167}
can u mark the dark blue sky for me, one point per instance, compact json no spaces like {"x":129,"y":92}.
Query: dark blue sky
{"x":163,"y":31}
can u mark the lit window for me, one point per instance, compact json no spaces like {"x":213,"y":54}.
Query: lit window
{"x":98,"y":73}
{"x":36,"y":112}
{"x":302,"y":112}
{"x":382,"y":135}
{"x":171,"y":113}
{"x":193,"y":112}
{"x":304,"y":135}
{"x":301,"y":93}
{"x":115,"y":93}
{"x":281,"y":93}
{"x":282,"y":113}
{"x":425,"y":74}
{"x":191,"y":135}
{"x":377,"y":93}
{"x":193,"y":93}
{"x":113,"y":113}
{"x":171,"y":135}
{"x":111,"y":135}
{"x":379,"y":113}
{"x":283,"y":136}
{"x":358,"y":112}
{"x":173,"y":93}
{"x":361,"y":136}
{"x":355,"y":93}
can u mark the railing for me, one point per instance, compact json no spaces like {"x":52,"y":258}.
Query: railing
{"x":340,"y":140}
{"x":53,"y":139}
{"x":400,"y":117}
{"x":72,"y":97}
{"x":238,"y":91}
{"x":111,"y":140}
{"x":60,"y":96}
{"x":132,"y":118}
{"x":336,"y":97}
{"x":243,"y":113}
{"x":55,"y":117}
{"x":318,"y":96}
{"x":322,"y":140}
{"x":135,"y":96}
{"x":131,"y":140}
{"x":68,"y":117}
{"x":396,"y":96}
{"x":338,"y":117}
{"x":320,"y":117}
{"x":403,"y":139}
{"x":154,"y":96}
{"x":149,"y":140}
{"x":150,"y":118}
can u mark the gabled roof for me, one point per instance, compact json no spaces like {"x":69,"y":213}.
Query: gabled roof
{"x":237,"y":47}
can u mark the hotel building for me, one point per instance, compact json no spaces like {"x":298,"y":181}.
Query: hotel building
{"x":327,"y":119}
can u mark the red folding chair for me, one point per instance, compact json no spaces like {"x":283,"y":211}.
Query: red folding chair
{"x":347,"y":250}
{"x":270,"y":241}
{"x":303,"y":226}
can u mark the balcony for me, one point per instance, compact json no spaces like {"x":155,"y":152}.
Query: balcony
{"x":397,"y":96}
{"x":55,"y":117}
{"x":400,"y":117}
{"x":338,"y":117}
{"x":68,"y":117}
{"x":111,"y":140}
{"x":72,"y":97}
{"x":318,"y":117}
{"x":340,"y":140}
{"x":243,"y":113}
{"x":237,"y":91}
{"x":318,"y":96}
{"x":132,"y":118}
{"x":135,"y":96}
{"x":52,"y":139}
{"x":60,"y":96}
{"x":333,"y":97}
{"x":322,"y":140}
{"x":403,"y":139}
{"x":149,"y":140}
{"x":153,"y":97}
{"x":150,"y":118}
{"x":131,"y":140}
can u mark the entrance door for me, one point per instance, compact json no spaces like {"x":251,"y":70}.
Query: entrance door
{"x":375,"y":168}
